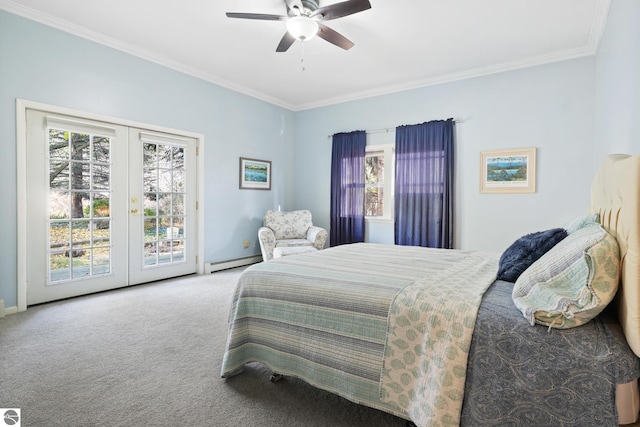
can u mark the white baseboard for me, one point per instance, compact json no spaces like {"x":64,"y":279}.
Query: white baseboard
{"x":7,"y":310}
{"x":211,"y":267}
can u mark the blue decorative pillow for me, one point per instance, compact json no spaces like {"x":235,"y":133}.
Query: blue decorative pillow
{"x":525,"y":251}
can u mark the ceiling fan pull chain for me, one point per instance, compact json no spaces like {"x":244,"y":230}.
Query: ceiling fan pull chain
{"x":302,"y":56}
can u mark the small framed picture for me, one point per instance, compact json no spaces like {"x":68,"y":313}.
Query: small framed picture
{"x":255,"y":174}
{"x":508,"y":171}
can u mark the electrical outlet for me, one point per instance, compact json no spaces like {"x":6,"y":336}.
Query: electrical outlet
{"x":245,"y":244}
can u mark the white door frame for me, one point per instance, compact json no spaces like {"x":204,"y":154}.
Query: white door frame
{"x":21,"y":202}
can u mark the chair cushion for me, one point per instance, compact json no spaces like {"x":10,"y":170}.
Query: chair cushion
{"x":288,"y":225}
{"x":294,"y":250}
{"x":290,"y":243}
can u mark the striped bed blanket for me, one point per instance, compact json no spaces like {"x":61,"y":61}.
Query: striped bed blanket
{"x":381,"y":325}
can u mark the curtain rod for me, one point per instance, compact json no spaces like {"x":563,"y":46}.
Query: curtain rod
{"x":368,"y":131}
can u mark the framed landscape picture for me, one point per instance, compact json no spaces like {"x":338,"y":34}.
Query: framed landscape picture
{"x":255,"y":174}
{"x":508,"y":171}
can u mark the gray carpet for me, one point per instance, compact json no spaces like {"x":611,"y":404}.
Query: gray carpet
{"x":150,"y":355}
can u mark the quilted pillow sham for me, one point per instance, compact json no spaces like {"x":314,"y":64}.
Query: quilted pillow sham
{"x":573,"y":282}
{"x":582,"y":221}
{"x":525,"y":251}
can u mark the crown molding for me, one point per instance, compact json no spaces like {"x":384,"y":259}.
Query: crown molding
{"x":453,"y":77}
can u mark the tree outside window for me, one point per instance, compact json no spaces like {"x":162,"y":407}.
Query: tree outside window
{"x":374,"y":184}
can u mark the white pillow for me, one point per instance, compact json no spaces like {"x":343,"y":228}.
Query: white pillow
{"x":573,"y":282}
{"x":581,"y":222}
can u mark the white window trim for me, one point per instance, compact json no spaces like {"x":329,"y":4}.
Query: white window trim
{"x":389,"y":179}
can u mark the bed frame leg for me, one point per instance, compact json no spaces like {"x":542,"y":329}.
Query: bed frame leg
{"x":276,"y":377}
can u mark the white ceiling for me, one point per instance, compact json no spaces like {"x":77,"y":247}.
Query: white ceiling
{"x":399,"y":44}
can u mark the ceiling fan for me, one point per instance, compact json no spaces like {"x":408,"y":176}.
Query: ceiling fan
{"x":304,"y":21}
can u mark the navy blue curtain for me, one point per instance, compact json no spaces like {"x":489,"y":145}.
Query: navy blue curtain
{"x":347,"y":188}
{"x":424,"y":184}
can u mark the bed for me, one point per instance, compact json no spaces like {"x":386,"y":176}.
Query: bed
{"x":433,"y":337}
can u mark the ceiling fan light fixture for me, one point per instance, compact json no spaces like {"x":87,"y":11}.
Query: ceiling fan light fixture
{"x":302,"y":27}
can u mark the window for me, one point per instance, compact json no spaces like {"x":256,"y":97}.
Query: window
{"x":374,"y":184}
{"x":378,"y":169}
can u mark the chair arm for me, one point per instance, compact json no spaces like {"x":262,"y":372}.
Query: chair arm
{"x":267,"y":240}
{"x":318,"y":236}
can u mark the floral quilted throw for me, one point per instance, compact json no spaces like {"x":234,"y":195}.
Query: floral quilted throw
{"x":429,"y":334}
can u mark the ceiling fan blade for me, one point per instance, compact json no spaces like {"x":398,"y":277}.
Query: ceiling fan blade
{"x":338,"y":10}
{"x":260,"y":16}
{"x":285,"y":43}
{"x":334,"y":37}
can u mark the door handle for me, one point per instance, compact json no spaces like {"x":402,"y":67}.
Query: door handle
{"x":134,"y":211}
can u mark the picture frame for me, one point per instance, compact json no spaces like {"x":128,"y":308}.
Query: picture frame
{"x":255,"y":174}
{"x":508,"y":171}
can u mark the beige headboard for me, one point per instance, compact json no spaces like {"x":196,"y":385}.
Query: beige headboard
{"x":615,"y":195}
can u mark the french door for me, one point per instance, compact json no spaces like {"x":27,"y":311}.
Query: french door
{"x":162,"y":206}
{"x":107,"y":206}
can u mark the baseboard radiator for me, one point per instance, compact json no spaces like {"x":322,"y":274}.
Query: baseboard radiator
{"x":212,"y":267}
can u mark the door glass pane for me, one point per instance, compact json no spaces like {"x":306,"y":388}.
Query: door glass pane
{"x":59,"y":174}
{"x":177,"y":204}
{"x":178,"y":180}
{"x":58,"y":144}
{"x":150,"y":178}
{"x":79,"y":214}
{"x":59,"y":203}
{"x":59,"y":266}
{"x":150,"y":204}
{"x":149,"y":153}
{"x":165,"y":156}
{"x":100,"y":177}
{"x":164,"y":180}
{"x":101,"y":150}
{"x":164,"y":204}
{"x":150,"y":253}
{"x":102,"y":260}
{"x":100,"y":206}
{"x":59,"y":235}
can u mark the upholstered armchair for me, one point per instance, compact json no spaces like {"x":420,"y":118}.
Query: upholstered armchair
{"x":288,"y":230}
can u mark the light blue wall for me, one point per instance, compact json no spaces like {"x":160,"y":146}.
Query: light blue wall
{"x":550,"y":107}
{"x":38,"y":63}
{"x":618,"y":81}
